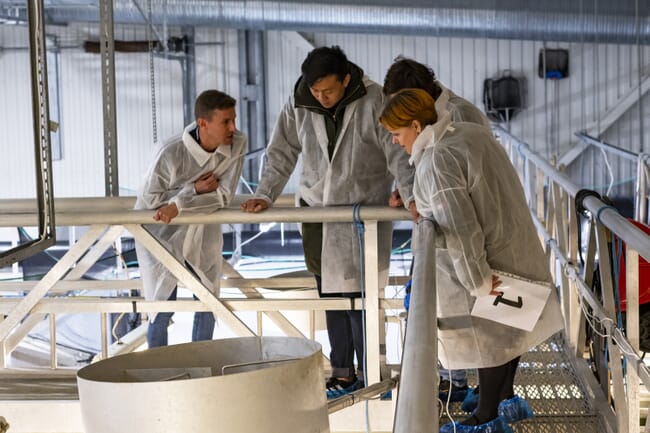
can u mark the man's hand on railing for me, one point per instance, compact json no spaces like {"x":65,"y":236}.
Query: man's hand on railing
{"x":254,"y":205}
{"x":166,"y":213}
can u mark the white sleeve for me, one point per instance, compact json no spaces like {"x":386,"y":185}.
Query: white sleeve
{"x":454,"y":212}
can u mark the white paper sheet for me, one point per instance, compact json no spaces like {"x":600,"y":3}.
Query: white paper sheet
{"x":519,"y":302}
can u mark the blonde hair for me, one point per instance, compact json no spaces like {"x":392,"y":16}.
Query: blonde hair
{"x":406,"y":106}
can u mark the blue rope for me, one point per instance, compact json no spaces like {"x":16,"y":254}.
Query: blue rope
{"x":521,"y":153}
{"x":356,"y":217}
{"x":602,"y":209}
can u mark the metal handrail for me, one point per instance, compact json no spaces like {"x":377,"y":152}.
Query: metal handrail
{"x":623,"y":153}
{"x":106,"y":224}
{"x":641,"y":188}
{"x":610,"y":217}
{"x":417,"y":407}
{"x":524,"y":150}
{"x":557,"y":216}
{"x":641,"y":159}
{"x":223,"y":216}
{"x":620,"y":226}
{"x":83,"y":204}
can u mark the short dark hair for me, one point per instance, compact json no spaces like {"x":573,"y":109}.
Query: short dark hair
{"x":211,"y":100}
{"x":324,"y":61}
{"x":406,"y":73}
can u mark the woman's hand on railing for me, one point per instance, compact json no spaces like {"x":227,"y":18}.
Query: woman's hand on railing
{"x":396,"y":201}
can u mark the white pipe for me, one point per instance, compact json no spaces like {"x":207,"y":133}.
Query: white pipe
{"x":417,"y":398}
{"x":623,"y":153}
{"x":608,"y":215}
{"x":230,"y":215}
{"x":614,"y":221}
{"x":550,"y":171}
{"x":82,"y":204}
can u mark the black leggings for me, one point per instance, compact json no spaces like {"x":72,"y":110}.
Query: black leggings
{"x":496,"y":384}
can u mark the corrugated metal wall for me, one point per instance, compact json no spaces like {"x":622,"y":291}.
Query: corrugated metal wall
{"x":600,"y":76}
{"x":80,"y":171}
{"x":285,"y":52}
{"x":16,"y":136}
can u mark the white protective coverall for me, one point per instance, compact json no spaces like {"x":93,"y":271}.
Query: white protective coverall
{"x":170,"y":179}
{"x":467,"y":185}
{"x":362,"y":169}
{"x":460,"y":109}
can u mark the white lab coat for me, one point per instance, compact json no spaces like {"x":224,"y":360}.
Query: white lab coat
{"x":460,"y":109}
{"x":362,"y":169}
{"x":170,"y":179}
{"x":467,"y":185}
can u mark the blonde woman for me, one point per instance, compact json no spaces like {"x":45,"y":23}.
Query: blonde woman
{"x":465,"y":182}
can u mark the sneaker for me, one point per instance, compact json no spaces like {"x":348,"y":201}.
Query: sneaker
{"x":336,"y":387}
{"x":471,"y":400}
{"x":458,"y":393}
{"x":515,"y":409}
{"x":497,"y":425}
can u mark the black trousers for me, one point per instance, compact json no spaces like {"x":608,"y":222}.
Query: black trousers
{"x":345,"y":332}
{"x":496,"y":384}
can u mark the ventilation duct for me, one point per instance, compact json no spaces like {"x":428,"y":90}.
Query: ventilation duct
{"x":500,"y":19}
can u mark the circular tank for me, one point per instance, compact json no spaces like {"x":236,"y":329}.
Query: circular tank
{"x":237,"y":385}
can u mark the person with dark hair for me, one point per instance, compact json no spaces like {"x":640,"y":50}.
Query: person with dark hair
{"x":196,"y":171}
{"x":464,"y":181}
{"x":407,"y":73}
{"x":331,"y":119}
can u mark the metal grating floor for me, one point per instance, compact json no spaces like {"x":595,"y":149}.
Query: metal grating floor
{"x":38,"y":387}
{"x":546,"y":379}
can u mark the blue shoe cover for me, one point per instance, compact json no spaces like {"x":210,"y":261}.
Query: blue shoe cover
{"x":515,"y":409}
{"x":336,"y":388}
{"x":497,"y":425}
{"x":471,"y":401}
{"x":458,"y":393}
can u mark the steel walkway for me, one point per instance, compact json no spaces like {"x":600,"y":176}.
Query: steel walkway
{"x":547,"y":379}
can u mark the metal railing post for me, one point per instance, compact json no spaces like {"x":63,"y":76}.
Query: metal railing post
{"x":640,"y":190}
{"x":632,"y":333}
{"x":417,"y":406}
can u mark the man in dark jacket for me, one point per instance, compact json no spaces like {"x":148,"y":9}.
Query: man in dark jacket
{"x":331,"y":119}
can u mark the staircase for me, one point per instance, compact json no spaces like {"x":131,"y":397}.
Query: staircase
{"x":547,"y":379}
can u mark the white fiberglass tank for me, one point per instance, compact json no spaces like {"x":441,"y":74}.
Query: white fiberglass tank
{"x":237,"y":385}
